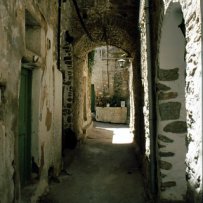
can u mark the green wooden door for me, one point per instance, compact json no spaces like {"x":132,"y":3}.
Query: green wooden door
{"x":25,"y":126}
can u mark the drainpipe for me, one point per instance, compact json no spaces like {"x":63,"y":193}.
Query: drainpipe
{"x":152,"y":107}
{"x":58,"y":35}
{"x":81,"y":20}
{"x":201,"y":13}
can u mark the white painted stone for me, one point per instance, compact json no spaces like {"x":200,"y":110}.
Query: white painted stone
{"x":192,"y":96}
{"x":177,"y":173}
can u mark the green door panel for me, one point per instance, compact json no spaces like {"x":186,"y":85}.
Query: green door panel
{"x":25,"y":125}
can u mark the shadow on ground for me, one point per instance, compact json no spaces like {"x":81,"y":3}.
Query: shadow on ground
{"x":101,"y":172}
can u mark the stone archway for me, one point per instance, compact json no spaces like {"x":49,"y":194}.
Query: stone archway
{"x":121,"y":39}
{"x":171,"y":111}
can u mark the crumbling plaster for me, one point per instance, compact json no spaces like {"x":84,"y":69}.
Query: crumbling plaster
{"x":45,"y":77}
{"x":11,"y":32}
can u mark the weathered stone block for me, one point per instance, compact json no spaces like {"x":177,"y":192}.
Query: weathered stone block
{"x":164,"y":139}
{"x":67,"y":83}
{"x":165,"y":165}
{"x":170,"y":110}
{"x":168,"y":184}
{"x":111,"y":114}
{"x":167,"y":95}
{"x":65,"y":111}
{"x":166,"y":154}
{"x":67,"y":58}
{"x":69,"y":119}
{"x":69,"y":105}
{"x":168,"y":75}
{"x":163,"y":175}
{"x":162,"y":87}
{"x":68,"y":62}
{"x":161,"y":146}
{"x":176,"y":127}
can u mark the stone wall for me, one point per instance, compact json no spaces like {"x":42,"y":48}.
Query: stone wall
{"x":76,"y":84}
{"x":171,"y":112}
{"x":103,"y":73}
{"x":147,"y":161}
{"x":193,"y":88}
{"x":67,"y":70}
{"x":28,"y":33}
{"x":145,"y":82}
{"x":66,"y":64}
{"x":178,"y":77}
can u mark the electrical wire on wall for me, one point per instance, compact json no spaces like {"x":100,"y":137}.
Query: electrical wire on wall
{"x":81,"y":20}
{"x":59,"y":34}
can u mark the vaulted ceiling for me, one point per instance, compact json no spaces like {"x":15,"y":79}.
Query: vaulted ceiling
{"x":99,"y":18}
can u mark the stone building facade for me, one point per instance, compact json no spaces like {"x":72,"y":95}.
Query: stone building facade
{"x":110,"y":80}
{"x":31,"y":98}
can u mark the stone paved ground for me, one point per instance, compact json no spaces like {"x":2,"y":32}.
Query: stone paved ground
{"x":101,"y":172}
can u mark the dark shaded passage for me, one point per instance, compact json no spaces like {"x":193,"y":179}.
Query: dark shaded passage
{"x":101,"y":172}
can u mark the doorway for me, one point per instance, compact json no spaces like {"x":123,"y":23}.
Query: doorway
{"x":25,"y":125}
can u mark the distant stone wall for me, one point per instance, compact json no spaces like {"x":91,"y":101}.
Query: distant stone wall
{"x":111,"y":81}
{"x":103,"y":73}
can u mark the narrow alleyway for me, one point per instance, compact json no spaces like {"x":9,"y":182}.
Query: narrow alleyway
{"x":104,"y":170}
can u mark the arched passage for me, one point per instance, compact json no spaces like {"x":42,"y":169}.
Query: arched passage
{"x":110,"y":82}
{"x":171,"y":111}
{"x":121,"y":39}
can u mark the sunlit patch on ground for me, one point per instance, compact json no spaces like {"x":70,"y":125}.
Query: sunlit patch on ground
{"x":120,"y":134}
